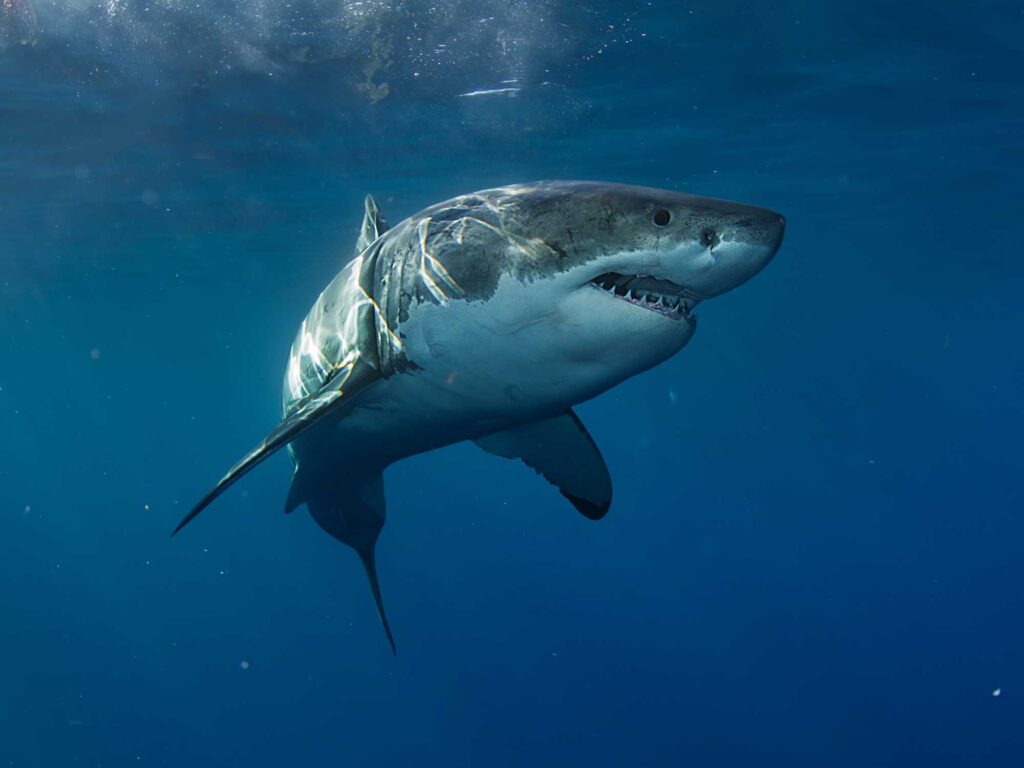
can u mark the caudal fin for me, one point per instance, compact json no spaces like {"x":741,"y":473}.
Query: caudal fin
{"x":369,"y":559}
{"x":351,"y":509}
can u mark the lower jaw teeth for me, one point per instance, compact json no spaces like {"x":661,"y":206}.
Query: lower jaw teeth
{"x":659,"y":304}
{"x":669,"y":305}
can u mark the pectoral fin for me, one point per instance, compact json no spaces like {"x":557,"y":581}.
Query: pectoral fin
{"x":339,"y":390}
{"x":563,"y":452}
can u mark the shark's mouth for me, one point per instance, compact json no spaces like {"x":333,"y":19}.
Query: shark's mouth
{"x":658,"y":295}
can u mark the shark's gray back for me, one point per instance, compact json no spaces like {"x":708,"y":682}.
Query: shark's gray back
{"x":453,"y":251}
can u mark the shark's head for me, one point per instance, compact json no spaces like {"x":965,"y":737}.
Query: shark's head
{"x":616,"y":271}
{"x":566,"y":287}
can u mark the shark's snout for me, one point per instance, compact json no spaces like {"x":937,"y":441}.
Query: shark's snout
{"x":738,"y":242}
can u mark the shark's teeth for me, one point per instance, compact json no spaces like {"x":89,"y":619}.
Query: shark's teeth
{"x":661,"y":296}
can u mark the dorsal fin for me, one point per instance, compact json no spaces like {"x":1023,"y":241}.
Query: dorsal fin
{"x":373,"y":227}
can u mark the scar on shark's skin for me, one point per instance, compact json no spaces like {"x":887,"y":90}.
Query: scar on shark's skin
{"x":487,"y":318}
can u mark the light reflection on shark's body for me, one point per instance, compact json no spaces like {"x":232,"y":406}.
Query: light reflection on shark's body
{"x":487,"y":318}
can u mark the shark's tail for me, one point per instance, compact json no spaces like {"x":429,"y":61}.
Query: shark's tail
{"x":352,"y":511}
{"x":369,"y":558}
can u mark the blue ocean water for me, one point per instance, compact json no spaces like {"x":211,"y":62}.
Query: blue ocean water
{"x":814,"y":553}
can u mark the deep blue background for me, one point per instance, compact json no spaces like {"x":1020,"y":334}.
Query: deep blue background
{"x":814,"y":556}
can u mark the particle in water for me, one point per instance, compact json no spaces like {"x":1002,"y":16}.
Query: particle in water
{"x":997,"y":692}
{"x":244,"y":665}
{"x":94,"y":353}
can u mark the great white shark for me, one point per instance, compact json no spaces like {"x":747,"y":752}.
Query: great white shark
{"x":487,"y":318}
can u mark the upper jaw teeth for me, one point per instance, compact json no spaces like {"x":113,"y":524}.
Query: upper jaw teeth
{"x":636,"y":290}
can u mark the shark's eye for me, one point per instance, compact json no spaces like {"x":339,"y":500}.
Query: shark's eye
{"x":662,"y":217}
